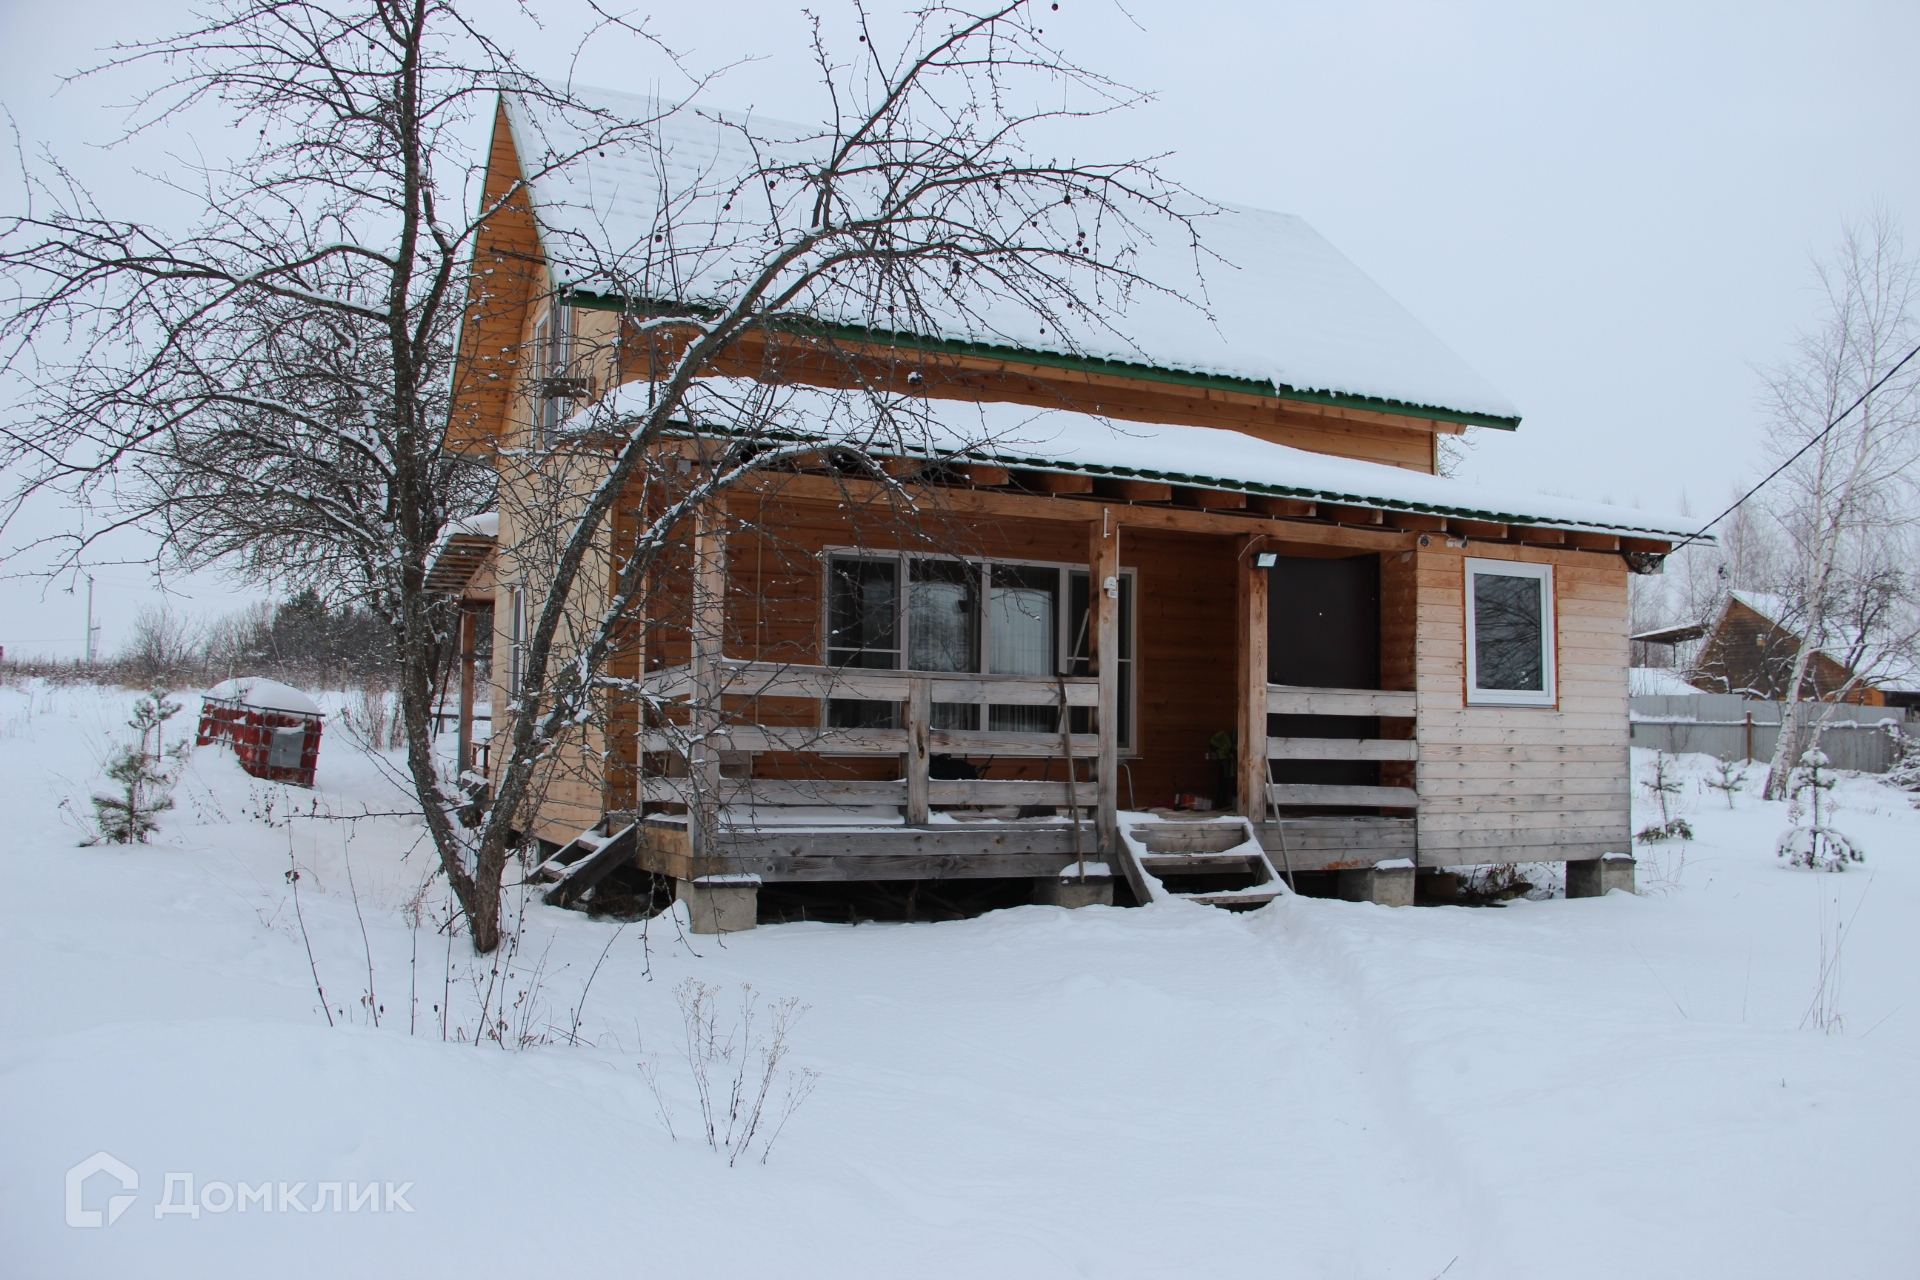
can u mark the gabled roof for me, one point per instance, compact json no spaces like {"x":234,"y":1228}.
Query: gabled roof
{"x":1269,"y":305}
{"x":1013,"y":435}
{"x":1886,"y":667}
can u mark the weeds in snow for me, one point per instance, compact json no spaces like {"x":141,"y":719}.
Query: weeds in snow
{"x":1823,"y":1011}
{"x":736,"y":1069}
{"x":293,"y":878}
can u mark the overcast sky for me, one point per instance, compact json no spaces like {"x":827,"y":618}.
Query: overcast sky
{"x":1607,"y":209}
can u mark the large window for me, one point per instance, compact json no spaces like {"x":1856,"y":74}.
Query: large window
{"x":1509,"y":634}
{"x":920,"y":613}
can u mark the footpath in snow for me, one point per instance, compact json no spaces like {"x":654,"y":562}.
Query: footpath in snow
{"x":1633,"y":1086}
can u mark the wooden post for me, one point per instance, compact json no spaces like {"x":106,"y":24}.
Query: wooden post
{"x":919,"y":716}
{"x":468,"y":626}
{"x":1251,"y":614}
{"x":708,"y":635}
{"x":1103,"y":599}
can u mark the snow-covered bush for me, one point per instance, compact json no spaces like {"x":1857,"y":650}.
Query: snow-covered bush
{"x":1905,"y":773}
{"x":1664,"y":784}
{"x":1816,"y":845}
{"x":142,"y":777}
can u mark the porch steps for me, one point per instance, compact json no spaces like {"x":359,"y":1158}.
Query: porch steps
{"x":584,"y":862}
{"x":1153,"y":852}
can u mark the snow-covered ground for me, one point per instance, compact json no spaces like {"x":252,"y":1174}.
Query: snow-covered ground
{"x":1631,"y":1086}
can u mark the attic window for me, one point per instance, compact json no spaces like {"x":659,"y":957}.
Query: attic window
{"x":1509,"y":634}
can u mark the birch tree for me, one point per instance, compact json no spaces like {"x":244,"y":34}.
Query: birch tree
{"x":1852,"y":493}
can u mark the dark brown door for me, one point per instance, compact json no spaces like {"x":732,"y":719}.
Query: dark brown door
{"x":1323,"y":631}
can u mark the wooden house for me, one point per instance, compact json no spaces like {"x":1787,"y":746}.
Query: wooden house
{"x":1214,"y":566}
{"x":1749,"y":646}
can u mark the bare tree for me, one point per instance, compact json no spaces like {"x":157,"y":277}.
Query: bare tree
{"x":161,"y":644}
{"x":1841,"y":502}
{"x":921,"y":200}
{"x":268,"y":389}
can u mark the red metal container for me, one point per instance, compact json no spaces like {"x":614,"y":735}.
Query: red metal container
{"x":273,"y":728}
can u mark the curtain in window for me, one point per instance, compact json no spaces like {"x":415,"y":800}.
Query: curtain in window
{"x":1022,"y":630}
{"x":1022,"y":624}
{"x":942,"y":617}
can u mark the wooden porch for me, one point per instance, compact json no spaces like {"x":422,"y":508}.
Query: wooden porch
{"x":737,"y":773}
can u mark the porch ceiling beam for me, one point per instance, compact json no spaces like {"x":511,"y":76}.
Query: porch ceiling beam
{"x":1342,"y":514}
{"x":1055,"y":481}
{"x":1593,"y":541}
{"x":1133,"y":490}
{"x":1210,"y":499}
{"x":1282,"y":508}
{"x":983,"y":475}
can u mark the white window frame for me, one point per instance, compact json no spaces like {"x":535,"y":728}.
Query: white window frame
{"x":552,"y":357}
{"x":1130,"y":667}
{"x":1548,"y":695}
{"x":516,"y":639}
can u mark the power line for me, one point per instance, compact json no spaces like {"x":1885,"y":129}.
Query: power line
{"x":1824,"y":432}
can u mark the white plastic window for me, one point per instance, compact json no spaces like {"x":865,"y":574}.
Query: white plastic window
{"x":1510,"y":625}
{"x":516,"y":638}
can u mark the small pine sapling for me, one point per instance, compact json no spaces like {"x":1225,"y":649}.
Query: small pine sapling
{"x":1819,"y":845}
{"x":143,"y":784}
{"x":1730,"y":777}
{"x":1665,"y":787}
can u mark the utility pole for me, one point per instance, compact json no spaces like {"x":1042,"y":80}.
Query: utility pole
{"x":90,"y":626}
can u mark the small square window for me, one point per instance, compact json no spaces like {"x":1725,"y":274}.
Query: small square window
{"x":1510,"y":625}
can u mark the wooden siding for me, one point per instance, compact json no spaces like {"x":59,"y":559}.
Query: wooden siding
{"x":508,"y":271}
{"x":1524,"y":784}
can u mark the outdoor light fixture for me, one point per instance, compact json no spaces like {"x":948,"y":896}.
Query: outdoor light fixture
{"x":1265,"y":559}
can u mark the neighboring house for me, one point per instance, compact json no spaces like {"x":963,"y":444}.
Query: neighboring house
{"x":1233,"y":527}
{"x":1749,"y":646}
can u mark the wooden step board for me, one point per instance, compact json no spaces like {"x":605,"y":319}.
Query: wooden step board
{"x":591,"y":867}
{"x":581,"y":846}
{"x":1200,"y":848}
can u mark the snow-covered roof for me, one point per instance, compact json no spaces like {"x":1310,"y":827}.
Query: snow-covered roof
{"x":1262,"y":298}
{"x":484,"y":525}
{"x":462,"y":548}
{"x":268,"y":695}
{"x":1645,"y":682}
{"x":1057,"y":440}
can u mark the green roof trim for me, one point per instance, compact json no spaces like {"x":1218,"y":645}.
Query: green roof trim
{"x":1086,"y":364}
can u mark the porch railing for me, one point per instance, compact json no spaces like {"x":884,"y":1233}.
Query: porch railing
{"x":1299,"y":700}
{"x":713,"y":730}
